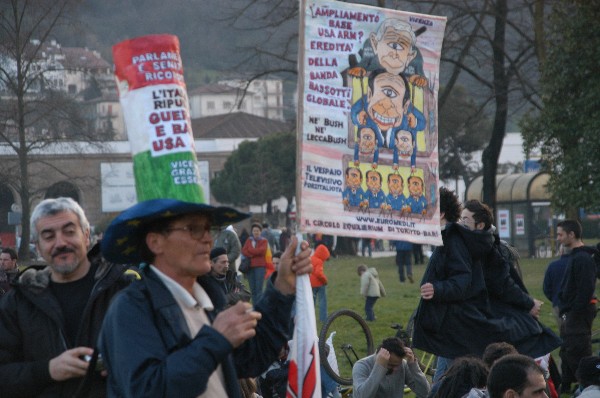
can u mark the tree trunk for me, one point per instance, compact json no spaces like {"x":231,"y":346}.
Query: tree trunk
{"x":538,"y":28}
{"x":492,"y":151}
{"x":23,"y":155}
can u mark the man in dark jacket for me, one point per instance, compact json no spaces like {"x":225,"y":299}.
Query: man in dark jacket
{"x":553,"y":279}
{"x":577,"y":305}
{"x":226,"y":278}
{"x":452,"y":317}
{"x":8,"y":269}
{"x":510,"y":302}
{"x":50,"y":320}
{"x":227,"y":239}
{"x":170,"y":334}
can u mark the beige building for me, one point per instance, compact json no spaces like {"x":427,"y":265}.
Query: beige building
{"x":99,"y":176}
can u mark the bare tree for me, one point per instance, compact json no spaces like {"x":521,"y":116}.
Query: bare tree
{"x":33,"y":113}
{"x":491,"y":46}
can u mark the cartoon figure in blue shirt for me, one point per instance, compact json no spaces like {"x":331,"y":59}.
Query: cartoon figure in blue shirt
{"x":353,"y":195}
{"x":374,"y":195}
{"x":385,"y":109}
{"x":416,"y":200}
{"x":406,"y":148}
{"x":395,"y":197}
{"x":366,"y":146}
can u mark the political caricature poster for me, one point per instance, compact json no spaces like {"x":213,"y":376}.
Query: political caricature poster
{"x":368,"y":132}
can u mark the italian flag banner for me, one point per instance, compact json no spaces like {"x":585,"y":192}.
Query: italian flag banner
{"x":153,"y":95}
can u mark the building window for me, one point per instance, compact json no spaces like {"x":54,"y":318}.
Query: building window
{"x":227,"y":105}
{"x":210,"y":105}
{"x":72,"y":89}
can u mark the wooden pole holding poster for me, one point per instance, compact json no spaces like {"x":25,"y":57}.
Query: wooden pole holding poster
{"x":300,"y":111}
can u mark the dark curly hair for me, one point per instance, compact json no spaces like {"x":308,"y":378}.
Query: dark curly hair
{"x":464,"y":373}
{"x":449,"y":205}
{"x":394,"y":345}
{"x":495,"y":351}
{"x":481,"y":212}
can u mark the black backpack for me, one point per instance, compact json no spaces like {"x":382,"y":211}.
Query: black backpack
{"x":511,"y":255}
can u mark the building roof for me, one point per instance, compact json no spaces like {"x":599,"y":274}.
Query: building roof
{"x":70,"y":57}
{"x":237,"y":125}
{"x":216,"y":89}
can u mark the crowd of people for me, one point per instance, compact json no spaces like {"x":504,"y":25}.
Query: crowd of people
{"x":157,"y":308}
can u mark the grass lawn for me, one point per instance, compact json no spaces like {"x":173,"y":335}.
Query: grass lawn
{"x":403,"y":298}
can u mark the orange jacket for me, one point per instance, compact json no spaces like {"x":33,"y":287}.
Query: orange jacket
{"x":317,"y":277}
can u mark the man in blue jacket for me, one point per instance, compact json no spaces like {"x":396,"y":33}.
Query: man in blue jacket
{"x":170,"y":334}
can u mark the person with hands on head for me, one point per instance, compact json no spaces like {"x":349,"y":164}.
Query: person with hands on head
{"x":171,"y":333}
{"x":385,"y":373}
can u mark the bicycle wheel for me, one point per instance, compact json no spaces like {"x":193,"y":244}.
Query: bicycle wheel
{"x":349,"y":340}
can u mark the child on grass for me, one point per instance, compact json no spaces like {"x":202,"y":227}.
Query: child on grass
{"x":371,"y":289}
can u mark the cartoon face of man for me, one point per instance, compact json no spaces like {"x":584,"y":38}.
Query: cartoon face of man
{"x":415,"y":186}
{"x":395,"y":184}
{"x":394,"y":45}
{"x":386,"y":100}
{"x":353,"y":177}
{"x":373,"y":181}
{"x":404,"y":143}
{"x":367,"y":141}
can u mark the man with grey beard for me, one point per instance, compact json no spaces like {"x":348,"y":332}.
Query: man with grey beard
{"x":50,"y":320}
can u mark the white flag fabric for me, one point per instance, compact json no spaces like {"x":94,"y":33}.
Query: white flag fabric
{"x":304,"y":377}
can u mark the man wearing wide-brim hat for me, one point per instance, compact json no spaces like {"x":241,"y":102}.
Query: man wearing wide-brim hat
{"x":169,"y":334}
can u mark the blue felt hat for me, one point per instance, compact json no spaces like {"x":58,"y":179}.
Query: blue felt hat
{"x":120,"y":241}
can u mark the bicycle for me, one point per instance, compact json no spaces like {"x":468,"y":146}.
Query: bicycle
{"x":344,"y":338}
{"x":342,"y":343}
{"x":427,"y":361}
{"x":544,"y":249}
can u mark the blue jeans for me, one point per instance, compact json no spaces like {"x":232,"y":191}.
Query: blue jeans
{"x":256,"y":280}
{"x":320,"y":293}
{"x":403,"y":259}
{"x":441,"y":367}
{"x":369,"y":304}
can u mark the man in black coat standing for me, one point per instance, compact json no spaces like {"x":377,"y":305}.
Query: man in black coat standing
{"x":510,"y":302}
{"x":452,"y":317}
{"x":577,"y":300}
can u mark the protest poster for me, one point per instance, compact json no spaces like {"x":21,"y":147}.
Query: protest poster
{"x":367,"y":122}
{"x":153,"y":95}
